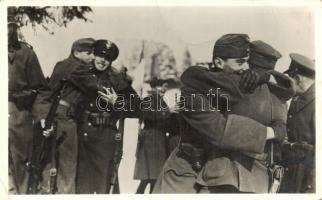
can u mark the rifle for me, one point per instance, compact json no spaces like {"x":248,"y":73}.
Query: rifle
{"x":276,"y":172}
{"x":114,"y":182}
{"x":44,"y":147}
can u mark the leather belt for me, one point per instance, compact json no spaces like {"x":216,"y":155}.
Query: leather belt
{"x":102,"y":119}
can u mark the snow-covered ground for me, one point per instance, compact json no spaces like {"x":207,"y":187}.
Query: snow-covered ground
{"x":126,"y":170}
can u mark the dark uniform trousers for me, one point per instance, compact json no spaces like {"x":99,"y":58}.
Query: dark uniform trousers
{"x":25,"y":75}
{"x":20,"y":147}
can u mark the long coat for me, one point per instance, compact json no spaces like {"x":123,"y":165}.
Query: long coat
{"x":230,"y":139}
{"x":24,"y":74}
{"x":97,"y":144}
{"x":301,"y":129}
{"x":152,"y":147}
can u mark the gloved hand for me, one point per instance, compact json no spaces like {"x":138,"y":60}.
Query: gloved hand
{"x":294,"y":152}
{"x":251,"y":78}
{"x":25,"y":99}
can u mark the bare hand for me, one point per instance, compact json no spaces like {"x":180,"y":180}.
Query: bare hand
{"x":46,"y":132}
{"x":110,"y":96}
{"x":174,"y":109}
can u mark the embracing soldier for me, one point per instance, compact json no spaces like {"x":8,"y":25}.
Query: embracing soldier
{"x":108,"y":98}
{"x":223,"y":147}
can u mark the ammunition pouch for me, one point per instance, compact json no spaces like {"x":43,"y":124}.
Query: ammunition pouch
{"x":100,"y":119}
{"x":23,"y":100}
{"x":196,"y":157}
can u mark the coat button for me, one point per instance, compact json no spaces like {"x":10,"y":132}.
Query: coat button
{"x":91,"y":105}
{"x":89,"y":124}
{"x":85,"y":134}
{"x":290,"y":116}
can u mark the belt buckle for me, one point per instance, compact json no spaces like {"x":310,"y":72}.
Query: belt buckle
{"x":118,"y":136}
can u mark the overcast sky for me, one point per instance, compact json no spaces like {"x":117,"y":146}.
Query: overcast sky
{"x":288,"y":29}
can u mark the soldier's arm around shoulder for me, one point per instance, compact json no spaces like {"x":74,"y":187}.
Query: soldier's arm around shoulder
{"x":281,"y":85}
{"x":204,"y":81}
{"x":83,"y":79}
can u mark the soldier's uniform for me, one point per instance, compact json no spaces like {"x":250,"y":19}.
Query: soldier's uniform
{"x":65,"y":118}
{"x":300,"y":155}
{"x":62,"y":71}
{"x":228,"y":151}
{"x":97,"y":130}
{"x":152,"y":146}
{"x":25,"y":80}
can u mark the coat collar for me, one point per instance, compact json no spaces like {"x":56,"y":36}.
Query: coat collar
{"x":304,"y":99}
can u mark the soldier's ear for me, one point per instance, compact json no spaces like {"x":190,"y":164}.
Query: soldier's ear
{"x":218,"y":62}
{"x":297,"y":79}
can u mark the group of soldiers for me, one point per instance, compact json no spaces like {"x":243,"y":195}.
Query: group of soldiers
{"x":244,"y":139}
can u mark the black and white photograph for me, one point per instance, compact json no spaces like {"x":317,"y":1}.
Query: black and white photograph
{"x":160,"y":99}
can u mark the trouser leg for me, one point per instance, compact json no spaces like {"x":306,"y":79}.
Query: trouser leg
{"x":142,"y":186}
{"x":20,"y":146}
{"x":67,"y":152}
{"x":152,"y":184}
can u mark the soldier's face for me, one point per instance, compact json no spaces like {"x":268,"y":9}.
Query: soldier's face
{"x":231,"y":65}
{"x":235,"y":64}
{"x":101,"y":63}
{"x":299,"y":84}
{"x":85,"y":56}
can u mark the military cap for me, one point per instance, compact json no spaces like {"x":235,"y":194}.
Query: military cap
{"x":83,"y":44}
{"x":106,"y":49}
{"x":11,"y":15}
{"x":232,"y":46}
{"x":156,"y":82}
{"x":301,"y":65}
{"x":263,"y":55}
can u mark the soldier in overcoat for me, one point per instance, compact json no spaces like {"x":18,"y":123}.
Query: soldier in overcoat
{"x":235,"y":144}
{"x":25,"y":81}
{"x":299,"y":150}
{"x":152,"y":144}
{"x":107,"y":98}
